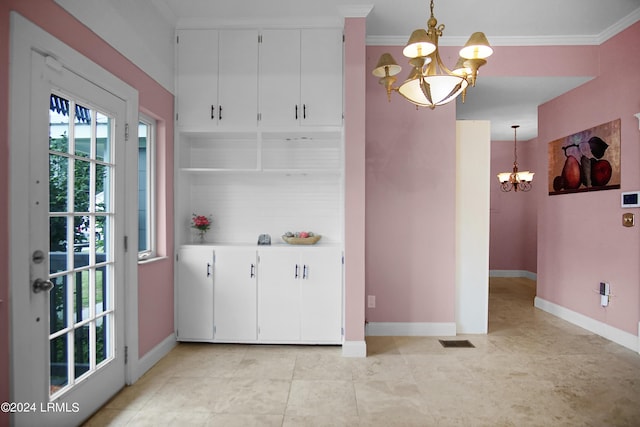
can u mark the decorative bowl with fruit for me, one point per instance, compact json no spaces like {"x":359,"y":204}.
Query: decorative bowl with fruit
{"x":301,"y":238}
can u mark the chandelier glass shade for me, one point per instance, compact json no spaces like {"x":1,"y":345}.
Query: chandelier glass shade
{"x":515,"y":180}
{"x":430,"y":83}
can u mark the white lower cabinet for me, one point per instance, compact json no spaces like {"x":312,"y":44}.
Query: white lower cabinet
{"x":234,"y":294}
{"x":195,"y":294}
{"x":270,"y":295}
{"x":300,"y":295}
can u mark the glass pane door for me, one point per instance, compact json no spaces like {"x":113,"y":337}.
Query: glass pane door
{"x":81,"y":312}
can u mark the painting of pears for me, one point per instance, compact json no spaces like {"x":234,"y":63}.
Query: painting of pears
{"x":586,"y":161}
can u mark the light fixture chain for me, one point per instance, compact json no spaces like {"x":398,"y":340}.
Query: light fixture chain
{"x":515,"y":150}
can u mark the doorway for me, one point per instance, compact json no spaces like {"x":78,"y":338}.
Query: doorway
{"x":70,"y":271}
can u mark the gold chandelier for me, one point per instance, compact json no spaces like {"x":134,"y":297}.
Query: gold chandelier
{"x":515,"y":180}
{"x":430,"y":82}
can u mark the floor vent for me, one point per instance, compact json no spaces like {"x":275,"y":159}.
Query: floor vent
{"x":456,"y":344}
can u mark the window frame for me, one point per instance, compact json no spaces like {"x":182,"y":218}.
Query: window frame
{"x":151,"y":125}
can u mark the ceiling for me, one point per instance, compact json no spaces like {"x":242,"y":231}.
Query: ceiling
{"x":503,"y":100}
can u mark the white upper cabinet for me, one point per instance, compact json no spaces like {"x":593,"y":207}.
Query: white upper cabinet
{"x":321,"y":71}
{"x":280,"y":78}
{"x":238,"y":79}
{"x":217,"y":83}
{"x":197,"y":82}
{"x":300,"y":77}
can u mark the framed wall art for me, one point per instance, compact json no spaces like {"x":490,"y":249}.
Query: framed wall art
{"x":586,"y":161}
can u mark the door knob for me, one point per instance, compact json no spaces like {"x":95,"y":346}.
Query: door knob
{"x":42,"y":285}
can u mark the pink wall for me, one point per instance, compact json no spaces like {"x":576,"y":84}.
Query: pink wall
{"x":155,"y":283}
{"x":513,"y":235}
{"x":410,"y":206}
{"x":581,"y":240}
{"x":355,"y":31}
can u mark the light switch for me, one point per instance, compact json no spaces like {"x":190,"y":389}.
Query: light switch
{"x":628,"y":219}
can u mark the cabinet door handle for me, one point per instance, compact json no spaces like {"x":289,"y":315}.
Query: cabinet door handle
{"x":208,"y":270}
{"x":304,"y":111}
{"x":213,"y":112}
{"x":297,"y":272}
{"x":305,"y":272}
{"x":220,"y":112}
{"x":296,"y":111}
{"x":253,"y":271}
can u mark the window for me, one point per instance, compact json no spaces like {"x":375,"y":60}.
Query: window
{"x":146,"y":188}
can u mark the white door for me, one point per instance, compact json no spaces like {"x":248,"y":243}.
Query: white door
{"x":195,"y":293}
{"x":280,"y":78}
{"x":69,"y":348}
{"x":197,"y":79}
{"x":321,"y":295}
{"x":235,"y":300}
{"x":238,"y":79}
{"x":321,"y":84}
{"x":279,"y":296}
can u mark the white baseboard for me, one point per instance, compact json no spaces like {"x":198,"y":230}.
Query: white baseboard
{"x":398,"y":329}
{"x":513,"y":273}
{"x":154,"y":355}
{"x":616,"y":335}
{"x":354,"y":349}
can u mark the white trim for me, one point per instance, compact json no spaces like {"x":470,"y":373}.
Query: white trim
{"x":262,"y":23}
{"x":413,"y":329}
{"x":619,"y":26}
{"x":638,"y":117}
{"x":495,"y":40}
{"x":153,"y":356}
{"x":513,"y":273}
{"x":354,"y":349}
{"x":616,"y":335}
{"x":551,"y":40}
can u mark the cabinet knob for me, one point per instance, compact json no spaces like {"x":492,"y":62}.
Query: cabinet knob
{"x":213,"y":112}
{"x":253,"y":271}
{"x":296,"y":275}
{"x":208,"y":270}
{"x":305,"y":272}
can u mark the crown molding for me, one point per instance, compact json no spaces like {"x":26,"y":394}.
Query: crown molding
{"x":283,"y":22}
{"x":619,"y":26}
{"x":494,"y":40}
{"x":573,"y":40}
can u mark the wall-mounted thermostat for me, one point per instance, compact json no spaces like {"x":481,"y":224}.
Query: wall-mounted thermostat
{"x":630,"y":199}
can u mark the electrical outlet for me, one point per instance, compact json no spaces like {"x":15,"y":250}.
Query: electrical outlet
{"x":371,"y":301}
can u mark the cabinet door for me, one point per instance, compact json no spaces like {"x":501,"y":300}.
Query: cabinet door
{"x":279,"y":296}
{"x":280,"y":78}
{"x":197,"y":79}
{"x":238,"y":78}
{"x":321,"y":295}
{"x":195,"y":294}
{"x":321,"y":74}
{"x":234,"y":298}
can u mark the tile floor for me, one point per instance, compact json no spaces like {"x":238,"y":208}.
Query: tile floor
{"x":532,"y":369}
